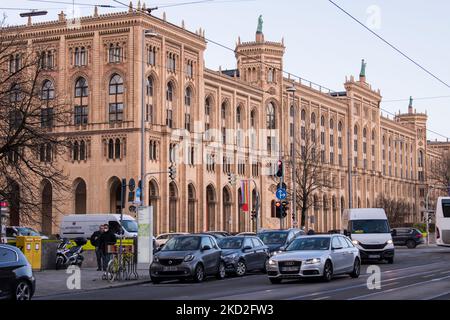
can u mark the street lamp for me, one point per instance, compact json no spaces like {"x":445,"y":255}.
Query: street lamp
{"x":294,"y":158}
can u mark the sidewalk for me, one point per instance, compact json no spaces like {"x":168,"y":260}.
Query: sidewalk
{"x":54,"y":282}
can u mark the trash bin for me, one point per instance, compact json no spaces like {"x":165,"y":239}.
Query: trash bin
{"x":32,"y":249}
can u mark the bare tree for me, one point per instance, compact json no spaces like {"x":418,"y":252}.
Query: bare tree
{"x":439,"y":172}
{"x":313,"y":172}
{"x":396,"y":210}
{"x":30,"y":113}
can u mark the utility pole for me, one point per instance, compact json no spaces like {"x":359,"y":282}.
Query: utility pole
{"x":294,"y":159}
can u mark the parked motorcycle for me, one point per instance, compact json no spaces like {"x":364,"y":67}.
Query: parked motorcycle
{"x":66,"y":256}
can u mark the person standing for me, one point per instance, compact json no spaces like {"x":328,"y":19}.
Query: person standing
{"x":95,"y":242}
{"x":106,"y":238}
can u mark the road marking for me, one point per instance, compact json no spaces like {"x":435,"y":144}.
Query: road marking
{"x":398,"y":288}
{"x":322,"y":298}
{"x":437,"y":296}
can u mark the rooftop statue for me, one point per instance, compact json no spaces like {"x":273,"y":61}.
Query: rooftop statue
{"x":260,"y":24}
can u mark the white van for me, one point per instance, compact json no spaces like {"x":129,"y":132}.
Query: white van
{"x":370,"y":233}
{"x":443,"y":222}
{"x":83,"y":225}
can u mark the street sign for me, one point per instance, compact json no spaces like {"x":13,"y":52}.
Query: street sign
{"x":137,"y":197}
{"x":132,"y":184}
{"x":282,"y":186}
{"x":281,"y":194}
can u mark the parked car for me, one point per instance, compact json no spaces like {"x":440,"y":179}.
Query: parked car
{"x":278,"y":240}
{"x":409,"y":237}
{"x":14,"y":231}
{"x":164,"y":237}
{"x":188,"y":257}
{"x":218,"y":234}
{"x":370,"y":233}
{"x":251,"y":234}
{"x":315,"y":256}
{"x":16,"y":276}
{"x":244,"y":253}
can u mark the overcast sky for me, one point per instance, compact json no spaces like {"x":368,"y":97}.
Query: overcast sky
{"x":322,"y":44}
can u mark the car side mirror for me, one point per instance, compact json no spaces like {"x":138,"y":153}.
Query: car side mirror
{"x":246,"y":248}
{"x":205,"y":248}
{"x":283,"y":248}
{"x":337,"y":248}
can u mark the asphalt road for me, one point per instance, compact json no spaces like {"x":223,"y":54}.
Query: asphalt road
{"x":421,"y":273}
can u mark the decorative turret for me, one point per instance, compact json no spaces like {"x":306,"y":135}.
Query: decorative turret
{"x":362,"y":73}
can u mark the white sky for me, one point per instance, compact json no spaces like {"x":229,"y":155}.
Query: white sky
{"x":322,"y":44}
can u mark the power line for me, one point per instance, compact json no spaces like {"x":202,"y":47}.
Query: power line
{"x":390,"y":44}
{"x":75,"y":3}
{"x":421,"y":98}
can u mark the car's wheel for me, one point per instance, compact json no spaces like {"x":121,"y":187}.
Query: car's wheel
{"x":59,"y":263}
{"x":241,"y":268}
{"x":155,"y":280}
{"x":22,"y":291}
{"x":390,"y":260}
{"x":411,"y":244}
{"x":356,"y":269}
{"x":199,"y":273}
{"x":327,"y":271}
{"x":221,"y":273}
{"x":275,"y":280}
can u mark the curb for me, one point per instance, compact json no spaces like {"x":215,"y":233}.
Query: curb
{"x":109,"y":286}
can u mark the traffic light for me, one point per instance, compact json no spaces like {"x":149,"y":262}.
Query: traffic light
{"x":231,"y":178}
{"x":172,"y":172}
{"x":253,"y":214}
{"x":285,"y":206}
{"x":278,"y":209}
{"x":123,"y":193}
{"x":279,"y":169}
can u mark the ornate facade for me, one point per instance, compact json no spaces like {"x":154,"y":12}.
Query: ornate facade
{"x":97,"y":67}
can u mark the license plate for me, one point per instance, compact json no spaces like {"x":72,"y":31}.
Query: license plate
{"x":288,"y":269}
{"x":374,"y":256}
{"x":170,"y":269}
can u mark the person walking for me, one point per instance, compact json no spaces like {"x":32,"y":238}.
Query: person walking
{"x":106,"y":238}
{"x":95,"y":242}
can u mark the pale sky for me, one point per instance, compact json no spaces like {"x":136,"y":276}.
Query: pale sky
{"x":322,"y":44}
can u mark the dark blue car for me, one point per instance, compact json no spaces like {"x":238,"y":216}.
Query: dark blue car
{"x":278,"y":240}
{"x":242,"y":254}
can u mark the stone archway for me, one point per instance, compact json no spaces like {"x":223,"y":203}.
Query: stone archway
{"x":46,"y":207}
{"x":80,"y":195}
{"x":115,"y":194}
{"x":211,"y":208}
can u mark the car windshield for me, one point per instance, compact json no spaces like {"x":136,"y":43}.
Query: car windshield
{"x":273,"y":237}
{"x":369,"y":226}
{"x":28,"y":232}
{"x":130,"y":225}
{"x":230,"y":243}
{"x":309,"y":244}
{"x":182,"y":244}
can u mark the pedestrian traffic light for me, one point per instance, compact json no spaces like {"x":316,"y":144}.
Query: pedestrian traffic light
{"x":284,"y":205}
{"x":254,"y":215}
{"x":279,"y":169}
{"x":172,"y":172}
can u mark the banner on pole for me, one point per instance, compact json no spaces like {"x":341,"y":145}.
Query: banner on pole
{"x":145,"y":234}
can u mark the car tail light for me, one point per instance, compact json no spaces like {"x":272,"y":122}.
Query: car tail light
{"x":438,"y":234}
{"x":419,"y":235}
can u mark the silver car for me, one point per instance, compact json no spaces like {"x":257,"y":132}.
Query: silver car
{"x":315,"y":256}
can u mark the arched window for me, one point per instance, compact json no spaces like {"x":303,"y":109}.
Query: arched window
{"x":188,"y":96}
{"x":116,"y":91}
{"x":208,"y":106}
{"x":224,"y":110}
{"x":270,"y":76}
{"x":322,"y":121}
{"x":331,"y":124}
{"x":48,"y":90}
{"x":15,"y":93}
{"x":421,"y":159}
{"x":82,"y":150}
{"x":117,"y":149}
{"x":303,"y":115}
{"x":253,"y":118}
{"x":238,"y":115}
{"x":271,"y":119}
{"x":75,"y":151}
{"x":110,"y":149}
{"x":81,"y":88}
{"x":150,"y":87}
{"x":169,"y":92}
{"x":313,"y":118}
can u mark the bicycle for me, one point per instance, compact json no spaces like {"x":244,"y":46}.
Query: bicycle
{"x":121,"y":267}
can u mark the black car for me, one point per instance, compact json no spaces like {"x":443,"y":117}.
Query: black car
{"x":409,"y":237}
{"x":16,"y":276}
{"x":244,"y":253}
{"x":278,"y":240}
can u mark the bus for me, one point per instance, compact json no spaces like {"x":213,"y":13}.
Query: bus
{"x":443,"y":221}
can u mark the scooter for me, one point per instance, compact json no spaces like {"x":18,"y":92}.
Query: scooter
{"x":66,"y":256}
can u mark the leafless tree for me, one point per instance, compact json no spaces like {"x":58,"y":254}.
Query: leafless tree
{"x":313,"y":173}
{"x":30,"y":113}
{"x":396,"y":210}
{"x":439,"y":172}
